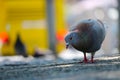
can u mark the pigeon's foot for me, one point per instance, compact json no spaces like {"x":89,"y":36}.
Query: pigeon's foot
{"x":87,"y":61}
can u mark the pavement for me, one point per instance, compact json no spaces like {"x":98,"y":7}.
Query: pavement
{"x":104,"y":68}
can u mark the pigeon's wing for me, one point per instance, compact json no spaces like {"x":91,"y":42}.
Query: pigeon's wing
{"x":98,"y":35}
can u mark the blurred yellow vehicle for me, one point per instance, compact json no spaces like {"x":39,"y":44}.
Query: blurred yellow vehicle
{"x":28,"y":18}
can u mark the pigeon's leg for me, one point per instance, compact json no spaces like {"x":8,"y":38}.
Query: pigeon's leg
{"x":92,"y":57}
{"x":85,"y":59}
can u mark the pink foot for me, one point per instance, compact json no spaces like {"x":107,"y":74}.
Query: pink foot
{"x":88,"y":61}
{"x":85,"y":61}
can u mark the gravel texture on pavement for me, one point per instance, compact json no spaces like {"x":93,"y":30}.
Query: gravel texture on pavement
{"x":104,"y":68}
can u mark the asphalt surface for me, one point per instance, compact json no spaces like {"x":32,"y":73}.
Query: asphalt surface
{"x":105,"y":68}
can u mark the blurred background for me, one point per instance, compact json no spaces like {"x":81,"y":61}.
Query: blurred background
{"x":38,"y":27}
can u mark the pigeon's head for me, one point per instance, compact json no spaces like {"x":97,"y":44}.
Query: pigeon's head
{"x":71,"y":39}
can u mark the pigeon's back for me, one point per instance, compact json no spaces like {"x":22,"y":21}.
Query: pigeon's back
{"x":98,"y":34}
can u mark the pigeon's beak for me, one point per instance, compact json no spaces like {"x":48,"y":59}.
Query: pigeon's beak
{"x":67,"y":45}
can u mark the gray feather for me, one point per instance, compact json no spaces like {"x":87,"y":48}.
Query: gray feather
{"x":87,"y":35}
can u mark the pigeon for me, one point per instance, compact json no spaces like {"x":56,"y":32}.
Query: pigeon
{"x":38,"y":53}
{"x":86,"y":36}
{"x":20,"y":47}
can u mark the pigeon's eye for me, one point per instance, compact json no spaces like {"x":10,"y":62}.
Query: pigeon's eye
{"x":70,"y":38}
